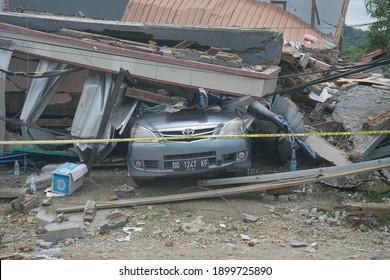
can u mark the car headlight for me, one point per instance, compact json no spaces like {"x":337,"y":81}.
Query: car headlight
{"x":142,"y":132}
{"x":234,"y":127}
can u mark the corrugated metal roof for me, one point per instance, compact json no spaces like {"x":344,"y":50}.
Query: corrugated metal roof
{"x":239,"y":13}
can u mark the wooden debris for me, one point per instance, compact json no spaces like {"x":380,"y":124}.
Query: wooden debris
{"x":12,"y":193}
{"x":124,"y":191}
{"x":355,"y":168}
{"x":184,"y":44}
{"x":367,"y":208}
{"x":25,"y":202}
{"x":379,"y":122}
{"x":150,"y":96}
{"x":319,"y":65}
{"x":363,"y":81}
{"x":89,"y":210}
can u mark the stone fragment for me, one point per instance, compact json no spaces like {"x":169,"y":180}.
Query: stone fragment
{"x":283,"y":197}
{"x":45,"y":244}
{"x":117,"y":221}
{"x":250,"y":218}
{"x":310,"y":249}
{"x":298,"y":243}
{"x":44,"y":217}
{"x":52,"y":238}
{"x":89,"y":210}
{"x":66,"y":229}
{"x":124,"y":191}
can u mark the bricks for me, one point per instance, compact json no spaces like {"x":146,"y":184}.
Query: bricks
{"x":67,"y":229}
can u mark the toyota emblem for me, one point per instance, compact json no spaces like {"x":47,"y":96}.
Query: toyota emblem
{"x":188,"y":131}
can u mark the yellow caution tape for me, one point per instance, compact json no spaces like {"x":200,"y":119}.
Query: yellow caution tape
{"x":121,"y":140}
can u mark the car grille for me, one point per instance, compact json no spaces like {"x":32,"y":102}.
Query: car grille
{"x":151,"y":164}
{"x":179,"y":133}
{"x":195,"y":156}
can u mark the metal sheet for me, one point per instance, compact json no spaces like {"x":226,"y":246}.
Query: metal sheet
{"x":6,"y":50}
{"x":38,"y":97}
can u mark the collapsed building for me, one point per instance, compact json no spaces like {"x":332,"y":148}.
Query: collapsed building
{"x":84,"y":77}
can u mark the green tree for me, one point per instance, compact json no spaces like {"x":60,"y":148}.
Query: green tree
{"x":379,"y":32}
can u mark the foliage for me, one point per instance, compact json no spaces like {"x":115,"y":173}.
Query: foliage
{"x":379,"y":32}
{"x":354,"y":37}
{"x":354,"y":44}
{"x":352,"y":53}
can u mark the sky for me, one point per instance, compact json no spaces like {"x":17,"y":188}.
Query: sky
{"x":357,"y":14}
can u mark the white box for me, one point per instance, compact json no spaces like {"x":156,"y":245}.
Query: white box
{"x":68,"y":177}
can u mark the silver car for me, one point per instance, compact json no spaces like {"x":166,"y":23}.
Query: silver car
{"x":189,"y":156}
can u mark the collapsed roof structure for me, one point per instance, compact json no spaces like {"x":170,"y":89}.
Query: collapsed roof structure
{"x":163,"y":52}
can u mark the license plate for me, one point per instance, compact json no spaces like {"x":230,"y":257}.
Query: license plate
{"x":190,"y":165}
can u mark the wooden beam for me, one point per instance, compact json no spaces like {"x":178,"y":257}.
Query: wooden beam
{"x":11,"y":193}
{"x":341,"y":24}
{"x":184,"y":44}
{"x":367,"y":208}
{"x":150,"y":96}
{"x":313,"y":12}
{"x":360,"y":168}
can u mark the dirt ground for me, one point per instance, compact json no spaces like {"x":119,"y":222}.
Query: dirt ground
{"x":307,"y":226}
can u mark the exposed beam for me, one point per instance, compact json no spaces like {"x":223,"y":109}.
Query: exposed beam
{"x":356,"y":168}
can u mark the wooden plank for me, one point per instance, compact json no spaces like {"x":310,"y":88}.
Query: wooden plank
{"x":363,"y":81}
{"x":150,"y":96}
{"x":317,"y":64}
{"x":379,"y":122}
{"x":11,"y":193}
{"x":367,"y":208}
{"x":231,"y":191}
{"x":62,"y":122}
{"x":184,"y":44}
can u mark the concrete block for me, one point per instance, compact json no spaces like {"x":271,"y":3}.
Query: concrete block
{"x":269,"y":197}
{"x":52,"y":238}
{"x":67,"y":229}
{"x":45,"y":244}
{"x":283,"y":197}
{"x":44,"y":217}
{"x":42,"y":181}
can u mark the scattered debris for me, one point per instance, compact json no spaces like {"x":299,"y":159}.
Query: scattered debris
{"x":89,"y":210}
{"x":44,"y":217}
{"x":115,"y":220}
{"x":196,"y":226}
{"x":124,"y":191}
{"x":25,"y":202}
{"x":298,"y":243}
{"x":250,"y":218}
{"x":252,"y":242}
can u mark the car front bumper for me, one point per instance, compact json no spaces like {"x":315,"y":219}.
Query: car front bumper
{"x":173,"y":158}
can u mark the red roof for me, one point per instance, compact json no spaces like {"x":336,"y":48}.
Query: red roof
{"x":238,"y":13}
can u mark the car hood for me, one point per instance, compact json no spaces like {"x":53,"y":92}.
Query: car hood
{"x":185,"y":118}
